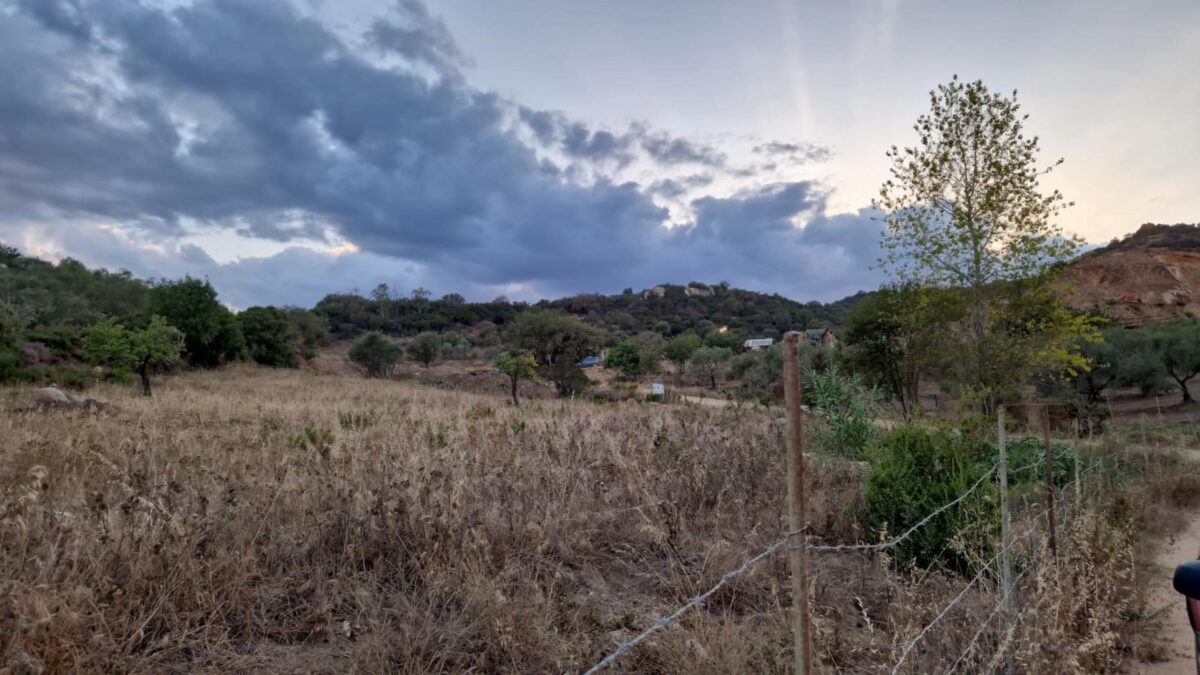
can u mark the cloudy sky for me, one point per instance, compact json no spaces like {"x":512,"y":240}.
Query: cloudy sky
{"x":534,"y":148}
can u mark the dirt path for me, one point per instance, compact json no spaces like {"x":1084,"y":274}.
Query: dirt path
{"x":1178,"y":639}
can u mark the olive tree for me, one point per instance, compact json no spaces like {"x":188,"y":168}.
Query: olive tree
{"x":159,"y":344}
{"x":710,"y":363}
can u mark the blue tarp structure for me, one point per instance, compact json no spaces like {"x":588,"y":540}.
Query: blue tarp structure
{"x":589,"y":361}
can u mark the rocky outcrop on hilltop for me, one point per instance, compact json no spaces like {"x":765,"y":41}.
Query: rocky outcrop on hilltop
{"x":1150,"y":276}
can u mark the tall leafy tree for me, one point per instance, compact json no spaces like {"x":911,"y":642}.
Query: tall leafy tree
{"x":965,"y":209}
{"x":211,"y":333}
{"x":159,"y":344}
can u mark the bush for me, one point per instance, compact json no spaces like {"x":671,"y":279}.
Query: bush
{"x":377,"y":353}
{"x":270,"y":337}
{"x":916,"y":470}
{"x":846,"y":425}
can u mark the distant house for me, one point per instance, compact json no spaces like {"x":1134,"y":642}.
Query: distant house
{"x":589,"y":361}
{"x":819,"y":337}
{"x":758,"y":343}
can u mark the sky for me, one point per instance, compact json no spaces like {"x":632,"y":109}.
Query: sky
{"x":285,"y":149}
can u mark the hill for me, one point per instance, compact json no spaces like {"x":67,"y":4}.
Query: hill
{"x":1149,"y":276}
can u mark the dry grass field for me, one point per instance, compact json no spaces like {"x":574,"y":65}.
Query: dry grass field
{"x":258,"y":520}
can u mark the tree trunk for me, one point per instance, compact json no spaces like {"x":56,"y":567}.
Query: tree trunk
{"x":143,"y":371}
{"x":713,"y":378}
{"x":1187,"y":395}
{"x":514,"y":391}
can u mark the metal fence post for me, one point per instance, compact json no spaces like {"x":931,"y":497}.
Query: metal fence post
{"x":801,"y":632}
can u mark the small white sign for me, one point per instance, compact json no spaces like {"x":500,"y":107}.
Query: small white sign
{"x":658,"y":389}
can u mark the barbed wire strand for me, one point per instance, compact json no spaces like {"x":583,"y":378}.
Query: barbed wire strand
{"x":983,"y":626}
{"x":961,"y":594}
{"x":698,"y":600}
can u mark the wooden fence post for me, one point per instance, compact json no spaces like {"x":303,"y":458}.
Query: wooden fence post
{"x":801,"y":632}
{"x":1050,"y":484}
{"x":1005,"y":537}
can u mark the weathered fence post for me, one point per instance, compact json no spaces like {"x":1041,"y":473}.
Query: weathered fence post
{"x":1050,"y":484}
{"x":796,"y":506}
{"x":1005,"y":560}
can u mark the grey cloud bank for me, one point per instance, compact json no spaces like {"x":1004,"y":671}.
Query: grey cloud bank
{"x":251,"y":116}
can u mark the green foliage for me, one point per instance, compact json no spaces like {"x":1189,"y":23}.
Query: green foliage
{"x":760,"y":373}
{"x":710,"y":363}
{"x":108,"y":343}
{"x":35,"y":293}
{"x":892,"y":339}
{"x":425,"y":347}
{"x":916,"y":470}
{"x":310,"y":329}
{"x":727,"y":339}
{"x":376,"y":353}
{"x":845,"y":423}
{"x":270,"y":337}
{"x":1024,"y":452}
{"x":517,"y":365}
{"x":624,"y":357}
{"x":212,"y":335}
{"x":965,"y":211}
{"x":557,"y":341}
{"x":679,"y":349}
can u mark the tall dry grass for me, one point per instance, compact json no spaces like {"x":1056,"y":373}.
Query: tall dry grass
{"x":256,"y":520}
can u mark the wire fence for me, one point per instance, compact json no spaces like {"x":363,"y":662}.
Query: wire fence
{"x":982,"y":574}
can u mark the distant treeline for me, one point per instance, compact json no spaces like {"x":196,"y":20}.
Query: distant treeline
{"x":48,"y":309}
{"x":668,"y":310}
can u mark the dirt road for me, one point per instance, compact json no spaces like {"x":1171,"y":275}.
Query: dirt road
{"x":1178,"y":639}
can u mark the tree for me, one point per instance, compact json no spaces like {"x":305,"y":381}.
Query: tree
{"x":710,"y":363}
{"x":517,"y":365}
{"x":624,"y":357}
{"x":377,"y":353}
{"x":159,"y":344}
{"x":557,"y":341}
{"x":425,"y":347}
{"x":964,"y":210}
{"x":1177,"y":346}
{"x":679,"y":349}
{"x":723,"y":338}
{"x":311,"y":329}
{"x":270,"y":337}
{"x":452,"y":299}
{"x":892,"y":338}
{"x":211,"y":333}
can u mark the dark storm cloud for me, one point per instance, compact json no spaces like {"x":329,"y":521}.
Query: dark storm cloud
{"x":801,"y":153}
{"x":250,"y":116}
{"x":417,"y":36}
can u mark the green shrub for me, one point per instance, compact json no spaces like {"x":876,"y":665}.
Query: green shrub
{"x":377,"y":354}
{"x":1023,"y":452}
{"x":847,"y":409}
{"x":914,"y":471}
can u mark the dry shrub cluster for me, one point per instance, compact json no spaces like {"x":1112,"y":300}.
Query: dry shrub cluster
{"x":262,"y":520}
